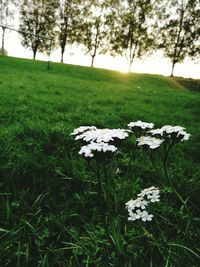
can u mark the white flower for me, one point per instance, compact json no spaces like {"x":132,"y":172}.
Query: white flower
{"x":103,"y":135}
{"x":137,"y":208}
{"x":147,"y":191}
{"x":172,"y":131}
{"x":145,"y":216}
{"x":168,"y":129}
{"x":155,"y":198}
{"x":183,"y":135}
{"x":141,"y":124}
{"x":88,"y":150}
{"x":149,"y":141}
{"x":82,"y":129}
{"x":152,"y":193}
{"x":135,"y":216}
{"x":139,"y":203}
{"x":132,"y":216}
{"x":157,"y":132}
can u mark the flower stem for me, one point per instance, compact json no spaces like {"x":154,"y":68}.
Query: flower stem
{"x":174,"y":189}
{"x":132,"y":156}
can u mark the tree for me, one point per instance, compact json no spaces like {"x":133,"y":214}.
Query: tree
{"x":132,"y":33}
{"x":68,"y":17}
{"x":93,"y":28}
{"x":180,"y":30}
{"x":38,"y":20}
{"x":6,"y":17}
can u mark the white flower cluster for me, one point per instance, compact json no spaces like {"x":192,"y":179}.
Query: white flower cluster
{"x":82,"y":129}
{"x":140,"y":124}
{"x":149,"y":141}
{"x":88,"y":150}
{"x":98,"y":139}
{"x":152,"y":194}
{"x":103,"y":135}
{"x":137,"y":208}
{"x":172,"y":131}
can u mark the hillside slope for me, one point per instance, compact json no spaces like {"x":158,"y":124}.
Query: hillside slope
{"x":74,"y":95}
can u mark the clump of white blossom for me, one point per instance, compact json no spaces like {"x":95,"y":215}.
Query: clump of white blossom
{"x":82,"y":129}
{"x":105,"y":140}
{"x":98,"y":140}
{"x":137,"y":208}
{"x":88,"y":150}
{"x":174,"y":132}
{"x":103,"y":135}
{"x":150,"y":142}
{"x":140,"y":125}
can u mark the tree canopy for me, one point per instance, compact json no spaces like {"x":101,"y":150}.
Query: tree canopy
{"x":38,"y":19}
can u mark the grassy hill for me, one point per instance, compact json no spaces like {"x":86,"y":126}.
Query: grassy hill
{"x":73,"y":95}
{"x":42,"y":177}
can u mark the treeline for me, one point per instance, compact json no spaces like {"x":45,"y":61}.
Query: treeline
{"x":130,"y":28}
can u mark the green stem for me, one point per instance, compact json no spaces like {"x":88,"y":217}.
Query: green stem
{"x":173,"y":187}
{"x":100,"y":184}
{"x":132,"y":157}
{"x":107,"y":189}
{"x":153,"y":162}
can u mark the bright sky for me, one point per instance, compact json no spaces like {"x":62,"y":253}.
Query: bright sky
{"x":155,"y":64}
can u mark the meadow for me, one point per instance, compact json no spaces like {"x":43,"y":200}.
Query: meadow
{"x":51,"y":213}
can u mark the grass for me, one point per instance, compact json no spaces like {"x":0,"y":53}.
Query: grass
{"x":50,"y":213}
{"x":190,"y":84}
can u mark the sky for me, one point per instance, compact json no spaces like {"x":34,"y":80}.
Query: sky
{"x":155,"y":64}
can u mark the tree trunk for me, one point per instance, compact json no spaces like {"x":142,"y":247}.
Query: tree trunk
{"x":95,"y":46}
{"x":62,"y":54}
{"x":172,"y":71}
{"x":92,"y":63}
{"x":177,"y":44}
{"x":132,"y":55}
{"x":34,"y":53}
{"x":3,"y":38}
{"x":130,"y":65}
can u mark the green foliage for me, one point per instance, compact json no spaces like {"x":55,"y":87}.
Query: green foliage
{"x":50,"y":211}
{"x":69,"y":16}
{"x":180,"y":28}
{"x":7,"y":8}
{"x":93,"y":28}
{"x":6,"y":11}
{"x":133,"y":33}
{"x":37,"y":24}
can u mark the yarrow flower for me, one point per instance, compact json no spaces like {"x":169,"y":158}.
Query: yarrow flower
{"x":177,"y":132}
{"x":143,"y":215}
{"x":82,"y":129}
{"x":88,"y":150}
{"x":141,"y":125}
{"x":149,"y":141}
{"x":152,"y":193}
{"x":137,"y":203}
{"x":137,"y":208}
{"x":103,"y":135}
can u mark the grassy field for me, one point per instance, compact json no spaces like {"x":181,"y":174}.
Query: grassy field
{"x":49,"y":214}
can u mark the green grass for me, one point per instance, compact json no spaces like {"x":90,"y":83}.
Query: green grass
{"x":190,"y":84}
{"x":47,"y":216}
